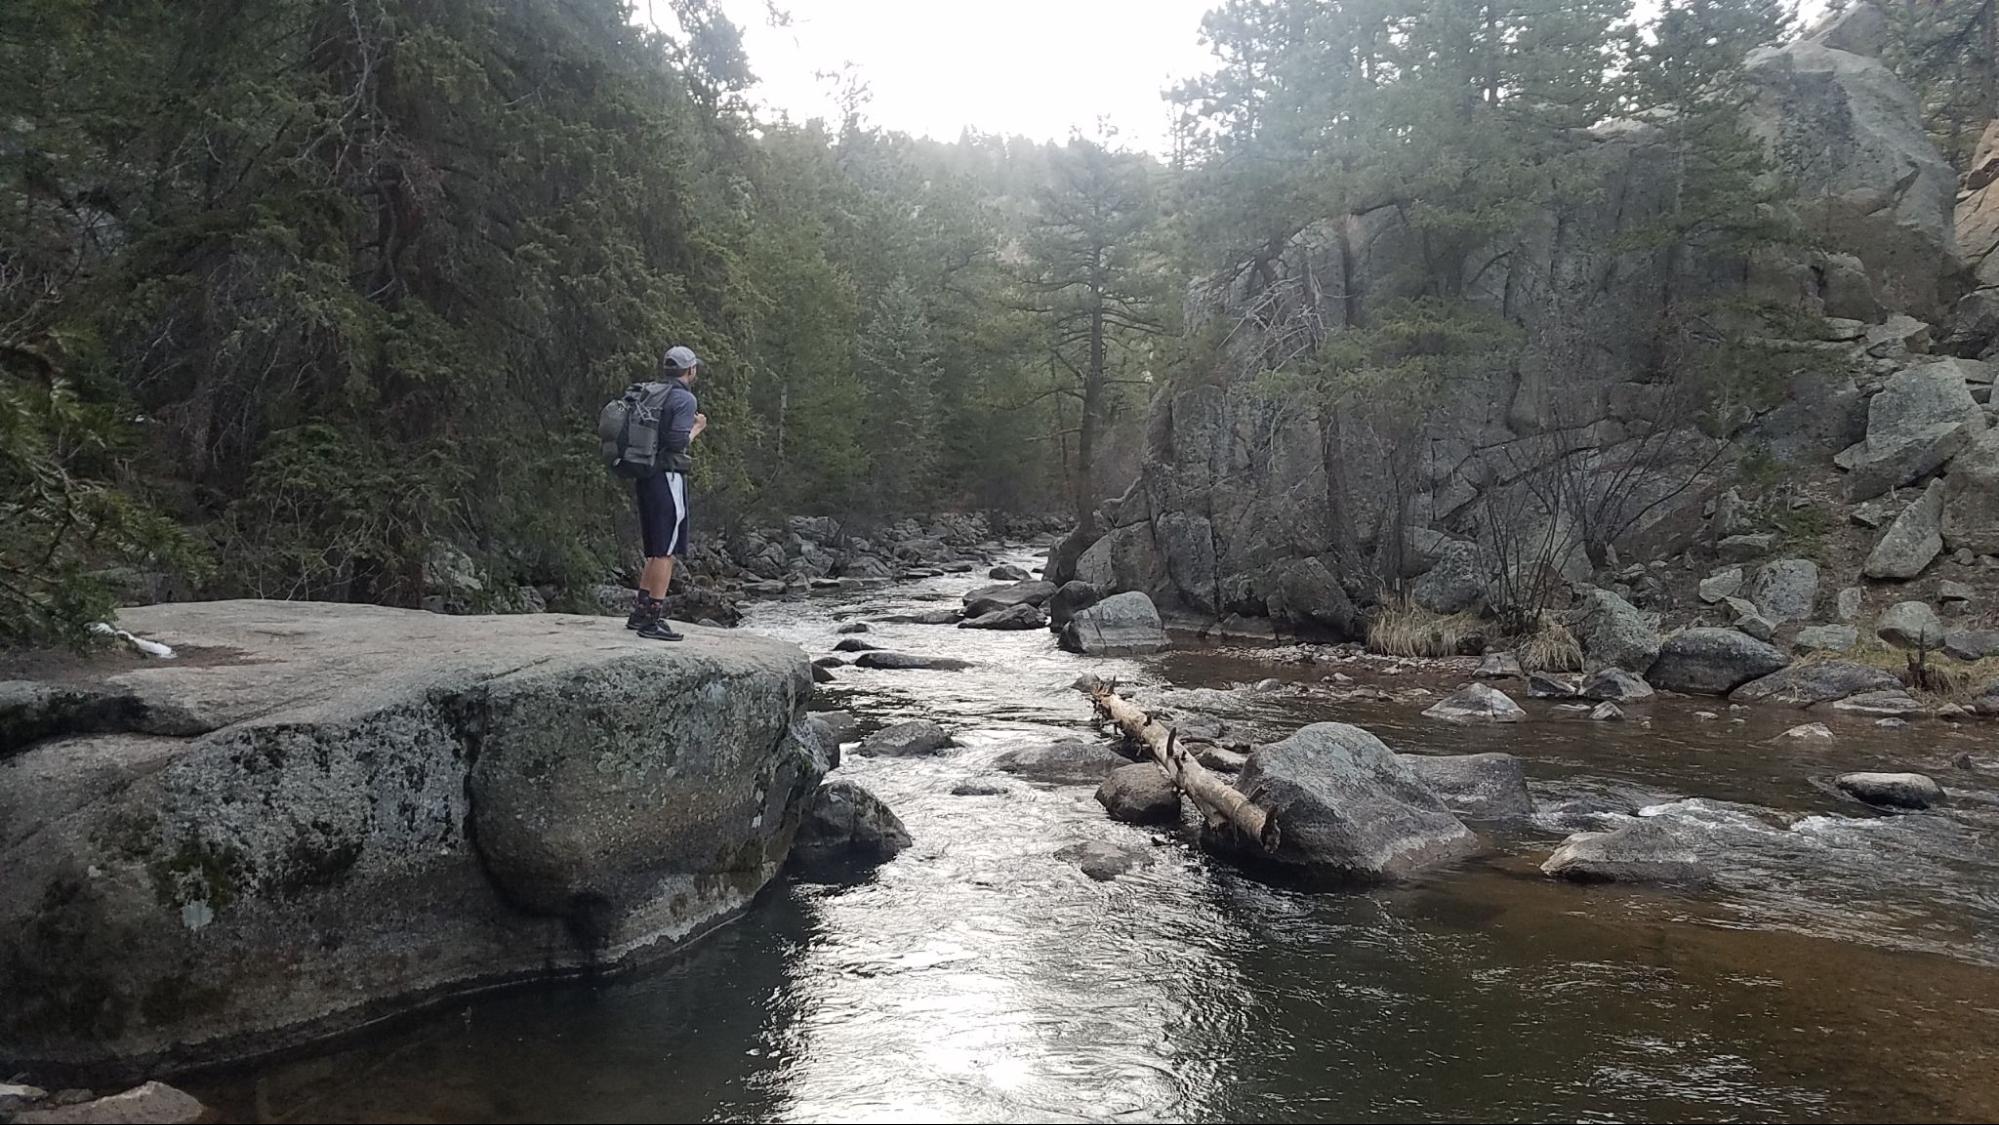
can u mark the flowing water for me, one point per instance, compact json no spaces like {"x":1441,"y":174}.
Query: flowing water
{"x":1845,"y":965}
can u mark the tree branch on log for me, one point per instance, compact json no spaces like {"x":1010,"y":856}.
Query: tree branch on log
{"x":1220,"y":803}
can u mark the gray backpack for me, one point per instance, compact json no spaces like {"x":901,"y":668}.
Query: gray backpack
{"x":628,"y":427}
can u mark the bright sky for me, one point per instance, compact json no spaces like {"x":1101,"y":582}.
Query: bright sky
{"x":1035,"y":67}
{"x":1040,"y":68}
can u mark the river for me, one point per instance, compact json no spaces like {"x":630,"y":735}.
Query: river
{"x":1843,"y":967}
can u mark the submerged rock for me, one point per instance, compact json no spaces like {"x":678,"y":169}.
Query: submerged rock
{"x":1120,"y":625}
{"x":847,"y":822}
{"x":1012,"y":617}
{"x":1544,"y":685}
{"x":1487,"y":786}
{"x":471,"y":798}
{"x":903,"y":740}
{"x":934,"y":617}
{"x":854,"y":644}
{"x":1347,"y":805}
{"x":1606,"y":712}
{"x":1617,"y":685}
{"x":1476,"y":703}
{"x":853,"y":627}
{"x":1814,"y":681}
{"x":1140,"y":794}
{"x":1102,"y":860}
{"x":1893,"y":701}
{"x":1898,"y":790}
{"x":889,"y":661}
{"x":1710,"y":661}
{"x":1069,"y":761}
{"x":977,"y":788}
{"x":1809,"y":732}
{"x":1643,"y":851}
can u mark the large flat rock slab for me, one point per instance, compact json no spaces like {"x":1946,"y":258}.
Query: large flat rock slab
{"x":356,"y":808}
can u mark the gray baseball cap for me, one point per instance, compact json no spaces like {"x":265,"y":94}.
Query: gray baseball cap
{"x":680,"y":358}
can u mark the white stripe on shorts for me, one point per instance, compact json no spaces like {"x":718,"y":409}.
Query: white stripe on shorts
{"x":676,"y":485}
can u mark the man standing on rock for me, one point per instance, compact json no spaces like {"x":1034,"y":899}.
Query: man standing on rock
{"x":662,"y":496}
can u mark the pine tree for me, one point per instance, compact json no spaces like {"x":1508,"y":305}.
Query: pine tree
{"x":898,"y":360}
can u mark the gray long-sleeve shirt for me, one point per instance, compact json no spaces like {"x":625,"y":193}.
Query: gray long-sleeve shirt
{"x":676,"y":428}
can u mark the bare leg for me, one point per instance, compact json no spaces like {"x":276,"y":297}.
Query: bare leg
{"x":657,"y":577}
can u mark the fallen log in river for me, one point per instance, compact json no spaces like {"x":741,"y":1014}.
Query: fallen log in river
{"x":1221,"y":804}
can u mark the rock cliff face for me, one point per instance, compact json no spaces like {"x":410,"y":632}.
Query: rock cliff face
{"x":1270,"y":502}
{"x":320,"y":814}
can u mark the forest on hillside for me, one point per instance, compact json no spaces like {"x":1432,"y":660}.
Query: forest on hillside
{"x":293,"y":291}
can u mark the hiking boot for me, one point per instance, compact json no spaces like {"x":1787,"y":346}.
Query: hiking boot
{"x":657,"y":629}
{"x":643,"y":610}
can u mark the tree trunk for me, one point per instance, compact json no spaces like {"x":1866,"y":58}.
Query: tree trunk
{"x":1221,"y":803}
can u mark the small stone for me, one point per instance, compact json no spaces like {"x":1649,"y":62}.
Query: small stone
{"x":1499,"y":666}
{"x":853,"y":627}
{"x":1721,"y":584}
{"x":854,"y":644}
{"x":1951,"y":590}
{"x":1340,"y":678}
{"x":978,"y":789}
{"x":1874,"y":513}
{"x":1809,"y":732}
{"x":821,"y":674}
{"x":1476,"y":702}
{"x":1892,"y":723}
{"x":1270,"y":684}
{"x":1607,"y":712}
{"x":1896,"y":790}
{"x":1707,"y":716}
{"x":1963,"y":556}
{"x":1750,"y":620}
{"x":1851,"y":601}
{"x":1742,"y":548}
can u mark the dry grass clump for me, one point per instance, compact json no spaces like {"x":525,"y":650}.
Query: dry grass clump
{"x":1402,"y":628}
{"x":1550,"y":647}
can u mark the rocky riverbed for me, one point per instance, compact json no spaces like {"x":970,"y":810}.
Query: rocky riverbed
{"x":1024,"y":954}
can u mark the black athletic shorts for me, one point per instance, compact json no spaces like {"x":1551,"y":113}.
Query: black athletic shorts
{"x":662,"y":503}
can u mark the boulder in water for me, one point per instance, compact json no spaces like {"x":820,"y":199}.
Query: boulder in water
{"x":1613,"y":632}
{"x":1486,"y":786}
{"x":1606,"y":712}
{"x":1073,"y":595}
{"x":1814,"y":681}
{"x":854,"y":644}
{"x":1102,"y":860}
{"x":1891,"y":701}
{"x":1547,"y":685}
{"x":821,"y":674}
{"x":1615,"y":684}
{"x":1896,"y":790}
{"x":1120,"y":625}
{"x":853,"y":627}
{"x":1140,"y":794}
{"x":1011,"y":617}
{"x":933,"y":617}
{"x":1070,"y":761}
{"x":989,"y":598}
{"x":1476,"y":703}
{"x":1708,"y":661}
{"x":1007,"y":572}
{"x":1809,"y":732}
{"x":833,"y":728}
{"x":1347,"y":805}
{"x":1643,"y":851}
{"x":846,"y":822}
{"x":883,"y":660}
{"x":903,"y":740}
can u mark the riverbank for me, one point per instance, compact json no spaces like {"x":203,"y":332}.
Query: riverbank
{"x":317,"y":815}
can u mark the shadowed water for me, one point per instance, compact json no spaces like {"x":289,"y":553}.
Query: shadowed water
{"x":1845,"y":966}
